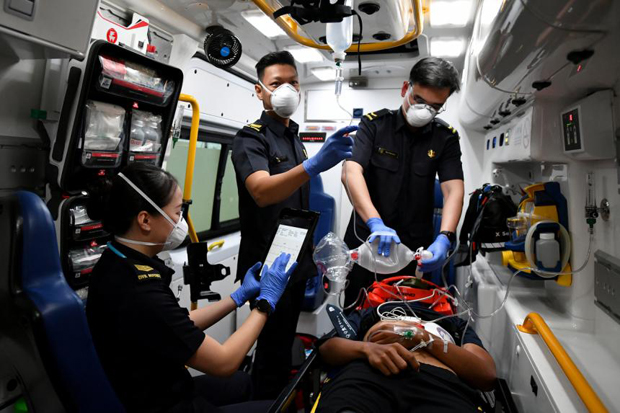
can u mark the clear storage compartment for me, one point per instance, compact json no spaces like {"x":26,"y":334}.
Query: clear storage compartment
{"x":82,"y":226}
{"x":83,"y":260}
{"x":129,"y":79}
{"x":102,"y":145}
{"x":145,"y":137}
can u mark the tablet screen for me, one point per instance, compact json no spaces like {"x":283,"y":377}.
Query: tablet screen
{"x":289,"y":240}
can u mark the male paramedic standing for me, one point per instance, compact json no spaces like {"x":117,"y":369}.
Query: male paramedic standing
{"x":273,"y":172}
{"x":391,"y":176}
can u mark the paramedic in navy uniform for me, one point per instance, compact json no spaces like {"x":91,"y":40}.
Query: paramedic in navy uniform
{"x":391,"y":176}
{"x":273,"y":172}
{"x":144,"y":339}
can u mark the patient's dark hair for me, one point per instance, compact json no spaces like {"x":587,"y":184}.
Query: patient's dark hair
{"x":435,"y":72}
{"x":274,"y":58}
{"x":116,"y":203}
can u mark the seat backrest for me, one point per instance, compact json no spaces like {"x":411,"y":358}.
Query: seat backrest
{"x":67,"y":341}
{"x":323,"y":203}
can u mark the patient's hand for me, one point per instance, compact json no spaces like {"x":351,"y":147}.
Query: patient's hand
{"x":390,"y":358}
{"x":383,"y":333}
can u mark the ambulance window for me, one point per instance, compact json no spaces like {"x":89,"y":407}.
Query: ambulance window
{"x":488,"y":143}
{"x":214,"y":211}
{"x":205,"y":172}
{"x":229,"y":209}
{"x":494,"y":141}
{"x":501,"y":140}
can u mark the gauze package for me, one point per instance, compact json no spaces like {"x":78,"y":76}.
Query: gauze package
{"x":104,"y":126}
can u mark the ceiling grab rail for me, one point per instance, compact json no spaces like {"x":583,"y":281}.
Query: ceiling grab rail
{"x":291,"y":27}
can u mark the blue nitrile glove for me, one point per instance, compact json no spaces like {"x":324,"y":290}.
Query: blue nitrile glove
{"x":440,"y":249}
{"x":249,"y":288}
{"x":336,"y":148}
{"x":385,"y":241}
{"x":274,"y":280}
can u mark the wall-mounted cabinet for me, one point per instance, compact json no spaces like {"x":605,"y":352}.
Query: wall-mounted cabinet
{"x":40,"y":29}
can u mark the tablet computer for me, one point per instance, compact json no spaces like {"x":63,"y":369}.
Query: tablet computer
{"x":293,"y":235}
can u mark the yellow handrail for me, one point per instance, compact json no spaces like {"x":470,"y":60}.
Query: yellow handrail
{"x":189,"y":168}
{"x":191,"y":160}
{"x":533,"y":324}
{"x":291,"y":27}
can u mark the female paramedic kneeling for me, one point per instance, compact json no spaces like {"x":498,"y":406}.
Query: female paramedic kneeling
{"x":144,"y":339}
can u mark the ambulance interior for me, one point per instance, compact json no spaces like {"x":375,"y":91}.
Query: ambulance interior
{"x":537,"y":109}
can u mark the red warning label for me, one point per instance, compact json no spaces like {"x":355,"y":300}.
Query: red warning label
{"x":112,"y":36}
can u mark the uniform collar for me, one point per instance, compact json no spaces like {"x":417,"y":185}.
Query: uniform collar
{"x":402,"y":123}
{"x":132,"y":254}
{"x":277,"y":127}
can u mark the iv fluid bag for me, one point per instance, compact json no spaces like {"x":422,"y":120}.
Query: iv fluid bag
{"x":340,"y":35}
{"x":369,"y":258}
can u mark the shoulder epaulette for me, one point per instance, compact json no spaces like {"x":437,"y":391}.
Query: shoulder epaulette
{"x":374,"y":115}
{"x":258,"y":127}
{"x":444,"y":124}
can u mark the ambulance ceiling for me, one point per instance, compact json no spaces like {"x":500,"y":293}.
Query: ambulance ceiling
{"x":447,"y":30}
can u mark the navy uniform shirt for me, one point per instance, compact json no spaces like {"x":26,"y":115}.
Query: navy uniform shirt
{"x":142,"y":336}
{"x":267,"y":145}
{"x":400,"y":168}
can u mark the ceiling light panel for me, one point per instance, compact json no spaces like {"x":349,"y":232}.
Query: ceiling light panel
{"x":447,"y":47}
{"x":450,"y":13}
{"x":305,"y":54}
{"x":263,"y":23}
{"x":324,"y":73}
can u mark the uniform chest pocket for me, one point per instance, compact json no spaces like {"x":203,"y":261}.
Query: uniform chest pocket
{"x":384,"y":159}
{"x":280,"y":164}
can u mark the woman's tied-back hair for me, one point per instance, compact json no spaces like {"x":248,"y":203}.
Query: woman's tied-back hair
{"x":117,"y":204}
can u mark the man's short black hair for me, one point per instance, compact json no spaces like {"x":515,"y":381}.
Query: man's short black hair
{"x":435,"y":72}
{"x":274,"y":58}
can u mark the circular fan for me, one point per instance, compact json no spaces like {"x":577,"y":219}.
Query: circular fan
{"x":222,"y":47}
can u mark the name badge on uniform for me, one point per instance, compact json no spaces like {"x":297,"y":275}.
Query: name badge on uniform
{"x":387,"y":152}
{"x":277,"y":159}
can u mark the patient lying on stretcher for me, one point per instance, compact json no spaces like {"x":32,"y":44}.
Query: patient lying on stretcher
{"x":380,"y":373}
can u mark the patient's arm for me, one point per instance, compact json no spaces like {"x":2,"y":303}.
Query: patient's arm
{"x":387,"y":358}
{"x":471,"y":362}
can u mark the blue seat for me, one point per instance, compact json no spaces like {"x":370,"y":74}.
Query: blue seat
{"x":325,"y":204}
{"x":55,"y":314}
{"x":450,"y":271}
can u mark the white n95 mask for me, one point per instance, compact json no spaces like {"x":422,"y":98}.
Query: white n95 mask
{"x":418,"y":114}
{"x":284,"y":99}
{"x":179,"y":229}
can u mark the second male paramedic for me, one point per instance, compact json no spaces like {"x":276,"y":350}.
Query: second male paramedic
{"x":391,"y":176}
{"x":273,"y":172}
